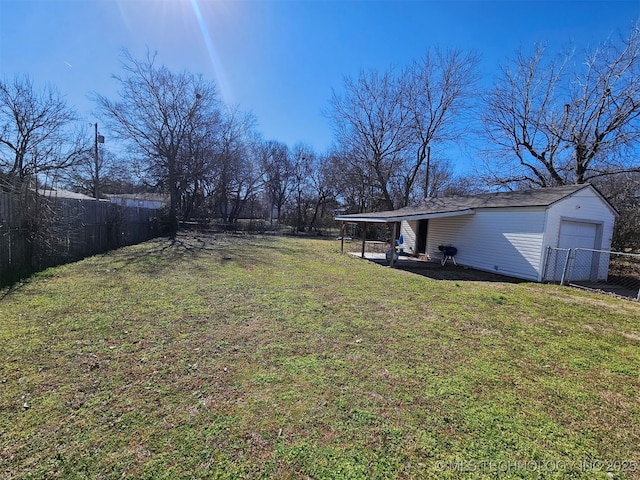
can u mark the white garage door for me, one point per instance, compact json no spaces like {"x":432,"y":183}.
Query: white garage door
{"x":577,"y":234}
{"x":580,"y":235}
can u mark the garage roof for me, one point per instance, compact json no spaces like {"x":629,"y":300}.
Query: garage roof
{"x":467,"y":204}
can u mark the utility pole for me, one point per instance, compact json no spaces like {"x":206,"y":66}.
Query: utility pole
{"x":426,"y":181}
{"x":96,"y":164}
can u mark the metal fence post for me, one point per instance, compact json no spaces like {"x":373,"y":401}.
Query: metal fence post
{"x":617,"y":273}
{"x":546,"y":264}
{"x":566,"y":266}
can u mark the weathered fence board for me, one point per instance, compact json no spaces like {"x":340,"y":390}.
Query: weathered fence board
{"x":38,"y":232}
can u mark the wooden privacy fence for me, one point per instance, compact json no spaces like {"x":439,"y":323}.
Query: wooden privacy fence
{"x":38,"y":232}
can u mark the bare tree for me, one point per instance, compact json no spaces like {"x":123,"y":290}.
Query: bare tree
{"x":95,"y":177}
{"x":35,"y":131}
{"x":303,"y":158}
{"x":520,"y":120}
{"x":323,"y":184}
{"x":277,"y":169}
{"x":246,"y":183}
{"x":554,"y":122}
{"x":603,"y":117}
{"x":38,"y":141}
{"x":350,"y":180}
{"x":623,"y":191}
{"x":197,"y":159}
{"x":386,"y":124}
{"x":234,"y":179}
{"x":157,"y":114}
{"x":439,"y":91}
{"x":371,"y":128}
{"x":441,"y":175}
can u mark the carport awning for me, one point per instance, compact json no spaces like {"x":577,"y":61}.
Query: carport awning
{"x":398,"y":216}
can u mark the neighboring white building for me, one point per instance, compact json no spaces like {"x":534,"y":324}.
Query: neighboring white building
{"x":507,"y":232}
{"x":143,"y":200}
{"x":60,"y":193}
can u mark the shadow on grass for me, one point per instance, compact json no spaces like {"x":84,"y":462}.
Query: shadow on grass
{"x":436,"y":271}
{"x":161,"y":254}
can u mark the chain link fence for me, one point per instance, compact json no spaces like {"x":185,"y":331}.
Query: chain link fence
{"x":556,"y":265}
{"x":616,"y":273}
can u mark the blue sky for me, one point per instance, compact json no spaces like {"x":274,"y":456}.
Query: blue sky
{"x":280,"y":59}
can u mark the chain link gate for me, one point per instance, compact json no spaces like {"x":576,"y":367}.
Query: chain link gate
{"x":617,"y":273}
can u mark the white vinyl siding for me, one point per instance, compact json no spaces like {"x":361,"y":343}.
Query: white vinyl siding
{"x":505,"y":241}
{"x":409,"y":231}
{"x":582,"y":220}
{"x":583,"y":206}
{"x":514,"y":240}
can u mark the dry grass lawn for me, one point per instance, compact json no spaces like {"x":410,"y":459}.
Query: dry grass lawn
{"x":263,"y":357}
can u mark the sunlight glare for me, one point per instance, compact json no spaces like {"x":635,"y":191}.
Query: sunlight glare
{"x":218,"y":70}
{"x":171,"y":22}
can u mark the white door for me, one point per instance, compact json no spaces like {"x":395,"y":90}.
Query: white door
{"x":580,"y":235}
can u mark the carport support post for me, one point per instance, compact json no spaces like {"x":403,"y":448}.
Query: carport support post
{"x":392,"y":249}
{"x":364,"y":237}
{"x":342,"y":229}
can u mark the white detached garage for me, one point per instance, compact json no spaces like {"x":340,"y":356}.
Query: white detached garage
{"x":506,"y":232}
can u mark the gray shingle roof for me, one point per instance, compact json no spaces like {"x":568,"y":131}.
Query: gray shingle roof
{"x":459,"y":204}
{"x":60,"y":193}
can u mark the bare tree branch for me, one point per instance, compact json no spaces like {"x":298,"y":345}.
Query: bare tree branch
{"x":35,"y":134}
{"x":555,"y":122}
{"x":158,"y":114}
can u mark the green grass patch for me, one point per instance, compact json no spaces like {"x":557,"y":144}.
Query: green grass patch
{"x":263,"y":357}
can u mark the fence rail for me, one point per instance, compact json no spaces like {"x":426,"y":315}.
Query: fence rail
{"x":38,"y":232}
{"x":617,"y":273}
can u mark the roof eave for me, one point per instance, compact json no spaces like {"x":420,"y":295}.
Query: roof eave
{"x":359,"y":218}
